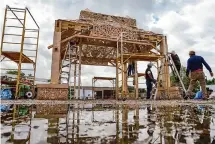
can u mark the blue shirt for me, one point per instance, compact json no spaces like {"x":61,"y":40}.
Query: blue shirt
{"x":196,"y":62}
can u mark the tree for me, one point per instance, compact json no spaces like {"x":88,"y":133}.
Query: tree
{"x":211,"y":82}
{"x":15,"y":72}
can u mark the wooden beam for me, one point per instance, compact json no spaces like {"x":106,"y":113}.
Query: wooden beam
{"x":104,"y":78}
{"x":136,"y":81}
{"x":79,"y":70}
{"x":100,"y":38}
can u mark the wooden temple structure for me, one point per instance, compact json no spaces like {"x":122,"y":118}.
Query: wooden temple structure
{"x":106,"y":40}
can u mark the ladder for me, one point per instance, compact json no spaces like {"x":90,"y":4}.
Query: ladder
{"x":171,"y":63}
{"x":174,"y":69}
{"x":65,"y":71}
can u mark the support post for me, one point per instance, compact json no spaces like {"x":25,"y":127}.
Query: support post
{"x":20,"y":57}
{"x":75,"y":80}
{"x":117,"y":71}
{"x":165,"y":69}
{"x":93,"y":88}
{"x":124,"y":82}
{"x":136,"y":82}
{"x":56,"y":54}
{"x":79,"y":71}
{"x":2,"y":38}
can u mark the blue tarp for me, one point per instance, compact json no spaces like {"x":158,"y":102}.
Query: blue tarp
{"x":4,"y":107}
{"x":5,"y":94}
{"x":198,"y":95}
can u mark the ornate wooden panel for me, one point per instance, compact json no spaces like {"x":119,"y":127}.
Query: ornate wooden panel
{"x":50,"y":92}
{"x":87,"y":15}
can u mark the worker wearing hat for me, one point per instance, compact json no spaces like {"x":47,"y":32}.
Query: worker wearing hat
{"x":195,"y":71}
{"x":176,"y":61}
{"x":149,"y":80}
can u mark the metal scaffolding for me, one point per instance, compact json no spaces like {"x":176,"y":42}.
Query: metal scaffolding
{"x":69,"y":66}
{"x":22,"y":52}
{"x":122,"y":59}
{"x":112,"y":80}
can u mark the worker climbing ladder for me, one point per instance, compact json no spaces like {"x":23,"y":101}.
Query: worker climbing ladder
{"x":170,"y":63}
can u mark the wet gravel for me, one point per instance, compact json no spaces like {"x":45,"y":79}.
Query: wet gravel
{"x":133,"y":102}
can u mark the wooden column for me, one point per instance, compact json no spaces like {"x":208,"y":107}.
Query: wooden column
{"x":125,"y":79}
{"x":125,"y":124}
{"x":75,"y":81}
{"x":93,"y":88}
{"x":79,"y":71}
{"x":56,"y":55}
{"x":102,"y":94}
{"x":165,"y":69}
{"x":136,"y":81}
{"x":117,"y":80}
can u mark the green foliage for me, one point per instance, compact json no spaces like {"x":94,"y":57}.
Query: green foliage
{"x":211,"y":82}
{"x":15,"y":72}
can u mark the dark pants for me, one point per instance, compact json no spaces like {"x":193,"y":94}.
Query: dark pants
{"x":129,"y":69}
{"x":178,"y":67}
{"x":149,"y":89}
{"x":133,"y":69}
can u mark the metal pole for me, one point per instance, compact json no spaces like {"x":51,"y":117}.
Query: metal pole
{"x":35,"y":64}
{"x":20,"y":56}
{"x":2,"y":38}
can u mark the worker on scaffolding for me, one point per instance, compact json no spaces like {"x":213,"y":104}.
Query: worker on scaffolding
{"x":149,"y":80}
{"x":131,"y":67}
{"x":177,"y":63}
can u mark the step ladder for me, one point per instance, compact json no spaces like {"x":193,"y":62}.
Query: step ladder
{"x":171,"y":63}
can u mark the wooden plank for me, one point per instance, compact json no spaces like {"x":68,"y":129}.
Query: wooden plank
{"x":104,"y":78}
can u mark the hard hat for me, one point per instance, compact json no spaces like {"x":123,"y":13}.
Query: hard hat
{"x":150,"y":64}
{"x":173,"y":52}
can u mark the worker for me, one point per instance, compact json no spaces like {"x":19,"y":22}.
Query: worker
{"x":176,"y":61}
{"x":131,"y":67}
{"x":149,"y":80}
{"x":195,"y":72}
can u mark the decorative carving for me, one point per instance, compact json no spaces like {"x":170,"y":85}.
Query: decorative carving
{"x":87,"y":15}
{"x":52,"y":94}
{"x":102,"y":31}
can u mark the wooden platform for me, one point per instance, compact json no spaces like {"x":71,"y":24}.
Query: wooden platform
{"x":14,"y":56}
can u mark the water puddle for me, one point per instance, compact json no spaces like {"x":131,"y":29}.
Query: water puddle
{"x":104,"y":124}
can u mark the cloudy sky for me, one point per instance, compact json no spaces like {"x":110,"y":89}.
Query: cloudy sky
{"x":188,"y":24}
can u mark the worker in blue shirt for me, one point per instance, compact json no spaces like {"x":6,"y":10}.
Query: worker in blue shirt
{"x":195,"y":72}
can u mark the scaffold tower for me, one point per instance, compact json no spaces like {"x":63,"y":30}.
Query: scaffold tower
{"x":19,"y":47}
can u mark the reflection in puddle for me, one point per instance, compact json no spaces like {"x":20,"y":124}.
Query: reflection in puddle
{"x":40,"y":124}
